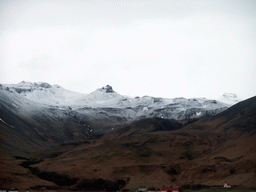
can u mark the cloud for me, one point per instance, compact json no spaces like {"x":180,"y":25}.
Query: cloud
{"x":159,"y":48}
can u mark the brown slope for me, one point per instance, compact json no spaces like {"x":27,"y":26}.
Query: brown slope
{"x":241,"y":116}
{"x":162,"y":158}
{"x":14,"y":176}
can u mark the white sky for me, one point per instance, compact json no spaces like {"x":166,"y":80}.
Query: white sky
{"x":162,"y":48}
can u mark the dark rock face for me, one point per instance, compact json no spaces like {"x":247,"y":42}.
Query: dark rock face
{"x":156,"y":100}
{"x":108,"y":89}
{"x":20,"y":90}
{"x":210,"y":102}
{"x":24,"y":87}
{"x":32,"y":87}
{"x":45,"y":85}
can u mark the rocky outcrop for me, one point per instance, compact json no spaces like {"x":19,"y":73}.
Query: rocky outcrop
{"x":107,"y":89}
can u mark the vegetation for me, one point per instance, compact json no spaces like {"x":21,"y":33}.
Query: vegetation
{"x":59,"y":179}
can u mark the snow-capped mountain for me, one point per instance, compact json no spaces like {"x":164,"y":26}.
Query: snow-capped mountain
{"x":103,"y":97}
{"x":229,"y":98}
{"x":43,"y":92}
{"x":105,"y":102}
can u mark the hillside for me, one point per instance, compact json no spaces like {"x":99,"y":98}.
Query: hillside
{"x":157,"y":152}
{"x":27,"y":126}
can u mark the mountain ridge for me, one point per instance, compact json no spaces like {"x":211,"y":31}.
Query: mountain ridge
{"x":28,"y":87}
{"x":104,"y":105}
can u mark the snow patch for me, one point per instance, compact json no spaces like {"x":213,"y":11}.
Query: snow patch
{"x":6,"y":123}
{"x":145,"y":109}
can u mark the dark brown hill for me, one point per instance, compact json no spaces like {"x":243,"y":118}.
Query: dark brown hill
{"x":241,"y":116}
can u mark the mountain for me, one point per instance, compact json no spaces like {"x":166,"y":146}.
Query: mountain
{"x":106,"y":98}
{"x":37,"y":115}
{"x":77,"y":141}
{"x":156,"y":152}
{"x":42,"y":92}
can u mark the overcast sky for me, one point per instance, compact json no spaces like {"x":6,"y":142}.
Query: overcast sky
{"x":162,"y":48}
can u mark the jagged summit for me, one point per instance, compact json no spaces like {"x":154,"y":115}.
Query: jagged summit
{"x":30,"y":84}
{"x":42,"y":92}
{"x":104,"y":96}
{"x":107,"y":89}
{"x":27,"y":84}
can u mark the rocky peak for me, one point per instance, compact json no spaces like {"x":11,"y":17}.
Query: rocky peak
{"x":107,"y":89}
{"x":24,"y":84}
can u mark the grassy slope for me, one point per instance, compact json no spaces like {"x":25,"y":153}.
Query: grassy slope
{"x":162,"y":158}
{"x":14,"y":176}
